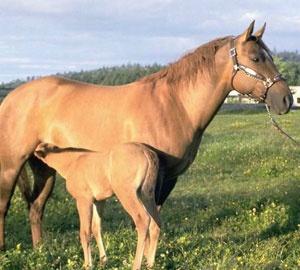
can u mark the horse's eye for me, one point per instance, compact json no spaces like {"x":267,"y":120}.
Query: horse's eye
{"x":255,"y":59}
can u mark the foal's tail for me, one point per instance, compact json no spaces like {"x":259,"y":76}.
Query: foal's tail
{"x":147,"y":189}
{"x":24,"y":185}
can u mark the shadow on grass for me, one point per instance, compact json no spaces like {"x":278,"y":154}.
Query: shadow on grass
{"x":223,"y":206}
{"x":292,"y":201}
{"x":180,"y":214}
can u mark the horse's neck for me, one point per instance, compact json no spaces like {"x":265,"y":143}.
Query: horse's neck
{"x":201,"y":102}
{"x":202,"y":99}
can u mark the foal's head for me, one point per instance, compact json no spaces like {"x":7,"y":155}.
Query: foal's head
{"x":254,"y":72}
{"x":43,"y":149}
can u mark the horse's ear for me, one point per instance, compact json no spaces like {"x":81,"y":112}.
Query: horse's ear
{"x":247,"y":34}
{"x":260,"y":32}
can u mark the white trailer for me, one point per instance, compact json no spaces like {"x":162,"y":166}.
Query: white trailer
{"x":296,"y":95}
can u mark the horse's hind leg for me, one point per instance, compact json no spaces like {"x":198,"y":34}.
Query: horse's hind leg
{"x":8,"y":175}
{"x":98,"y":209}
{"x":44,"y":178}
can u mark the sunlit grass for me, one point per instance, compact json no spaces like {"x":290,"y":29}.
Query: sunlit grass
{"x":237,"y":207}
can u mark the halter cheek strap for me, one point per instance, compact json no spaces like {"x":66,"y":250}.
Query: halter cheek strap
{"x":266,"y":81}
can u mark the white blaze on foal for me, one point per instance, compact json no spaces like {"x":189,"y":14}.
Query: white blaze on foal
{"x":129,"y":171}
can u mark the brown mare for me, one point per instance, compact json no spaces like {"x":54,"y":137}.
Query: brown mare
{"x":128,"y":170}
{"x":168,"y":111}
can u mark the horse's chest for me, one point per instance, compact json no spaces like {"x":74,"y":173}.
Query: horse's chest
{"x":187,"y":158}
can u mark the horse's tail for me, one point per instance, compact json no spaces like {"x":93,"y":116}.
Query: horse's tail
{"x":147,"y":188}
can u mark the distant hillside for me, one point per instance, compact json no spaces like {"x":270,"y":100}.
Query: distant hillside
{"x":106,"y":75}
{"x":113,"y":75}
{"x":288,"y":64}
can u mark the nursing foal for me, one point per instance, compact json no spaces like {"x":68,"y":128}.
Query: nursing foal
{"x":129,"y":171}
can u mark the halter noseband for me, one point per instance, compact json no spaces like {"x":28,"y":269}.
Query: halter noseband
{"x":267,"y":81}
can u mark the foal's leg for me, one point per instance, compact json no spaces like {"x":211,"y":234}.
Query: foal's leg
{"x":98,"y":209}
{"x":44,"y":179}
{"x":151,"y":243}
{"x":154,"y":227}
{"x":162,"y":191}
{"x":141,"y":218}
{"x":85,"y":211}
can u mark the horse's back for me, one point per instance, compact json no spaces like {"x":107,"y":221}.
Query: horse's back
{"x":49,"y":105}
{"x":46,"y":87}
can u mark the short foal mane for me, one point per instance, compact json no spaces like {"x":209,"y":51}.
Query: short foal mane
{"x":52,"y":149}
{"x":186,"y":69}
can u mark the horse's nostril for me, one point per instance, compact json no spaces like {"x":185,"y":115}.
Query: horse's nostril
{"x":291,"y":100}
{"x":288,"y":101}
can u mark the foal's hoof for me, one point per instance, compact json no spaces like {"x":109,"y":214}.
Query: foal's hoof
{"x":103,"y":261}
{"x":87,"y":267}
{"x":150,"y":266}
{"x":2,"y":248}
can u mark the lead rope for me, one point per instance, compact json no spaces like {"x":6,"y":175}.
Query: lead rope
{"x":275,"y":124}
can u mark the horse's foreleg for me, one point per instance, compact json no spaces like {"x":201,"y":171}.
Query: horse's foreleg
{"x":44,"y":178}
{"x":85,"y":211}
{"x":163,"y":190}
{"x":98,"y":210}
{"x":8,"y":176}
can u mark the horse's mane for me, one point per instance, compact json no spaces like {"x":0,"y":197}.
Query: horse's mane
{"x":265,"y":47}
{"x":188,"y":67}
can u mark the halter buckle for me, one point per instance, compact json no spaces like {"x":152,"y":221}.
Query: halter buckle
{"x":236,"y":67}
{"x":232,"y":52}
{"x":268,"y":83}
{"x":278,"y":77}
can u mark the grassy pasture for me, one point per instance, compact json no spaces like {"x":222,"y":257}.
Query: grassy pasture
{"x":237,"y":207}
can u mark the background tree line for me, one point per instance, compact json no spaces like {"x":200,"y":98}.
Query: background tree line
{"x":288,"y":64}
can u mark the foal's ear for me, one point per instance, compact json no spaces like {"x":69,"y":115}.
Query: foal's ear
{"x":41,"y":150}
{"x":248,"y":32}
{"x":260,"y":32}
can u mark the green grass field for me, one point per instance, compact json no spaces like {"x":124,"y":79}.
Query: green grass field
{"x":237,"y":207}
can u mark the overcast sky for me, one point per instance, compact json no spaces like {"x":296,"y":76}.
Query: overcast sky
{"x":39,"y":37}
